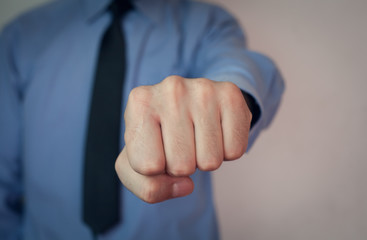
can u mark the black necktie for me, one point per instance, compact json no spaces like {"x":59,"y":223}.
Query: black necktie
{"x":101,"y":185}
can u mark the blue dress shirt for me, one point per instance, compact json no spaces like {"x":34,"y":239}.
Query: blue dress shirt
{"x":47,"y":61}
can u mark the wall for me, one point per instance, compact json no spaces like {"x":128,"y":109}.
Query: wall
{"x":305,"y":176}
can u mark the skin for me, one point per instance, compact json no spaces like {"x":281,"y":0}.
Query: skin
{"x":175,"y":127}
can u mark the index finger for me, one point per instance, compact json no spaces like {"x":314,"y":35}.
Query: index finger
{"x":143,"y":136}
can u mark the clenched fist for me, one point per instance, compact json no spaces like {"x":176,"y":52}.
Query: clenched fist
{"x":176,"y":126}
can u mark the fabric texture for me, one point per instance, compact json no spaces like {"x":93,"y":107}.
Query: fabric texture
{"x":47,"y":62}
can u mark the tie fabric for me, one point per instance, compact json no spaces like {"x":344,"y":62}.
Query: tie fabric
{"x":101,"y":185}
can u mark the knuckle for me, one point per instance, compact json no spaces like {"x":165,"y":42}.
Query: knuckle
{"x":204,"y":82}
{"x":173,"y":79}
{"x":150,"y":192}
{"x":230,"y":88}
{"x":232,"y":95}
{"x":174,"y":87}
{"x":147,"y":168}
{"x":140,"y":95}
{"x":205,"y":90}
{"x":235,"y":101}
{"x":235,"y":152}
{"x":181,"y":170}
{"x":210,"y":164}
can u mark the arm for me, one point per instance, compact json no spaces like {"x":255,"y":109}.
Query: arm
{"x":180,"y":124}
{"x":223,"y":56}
{"x":10,"y":174}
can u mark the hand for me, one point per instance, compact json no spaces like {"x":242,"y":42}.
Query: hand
{"x":176,"y":126}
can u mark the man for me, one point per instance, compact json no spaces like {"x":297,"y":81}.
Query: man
{"x":186,"y":64}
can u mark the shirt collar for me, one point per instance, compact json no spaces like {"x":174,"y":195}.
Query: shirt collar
{"x":152,"y":9}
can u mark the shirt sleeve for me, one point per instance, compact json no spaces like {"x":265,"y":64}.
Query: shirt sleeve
{"x":10,"y":141}
{"x":223,"y":56}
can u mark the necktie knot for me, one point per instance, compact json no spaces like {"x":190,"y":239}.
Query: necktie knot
{"x":118,"y":8}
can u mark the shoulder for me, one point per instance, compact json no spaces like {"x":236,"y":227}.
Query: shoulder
{"x":202,"y":20}
{"x":203,"y":9}
{"x":25,"y":37}
{"x":33,"y":29}
{"x":202,"y":16}
{"x":41,"y":19}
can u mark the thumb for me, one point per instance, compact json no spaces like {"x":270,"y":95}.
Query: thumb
{"x":151,"y":189}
